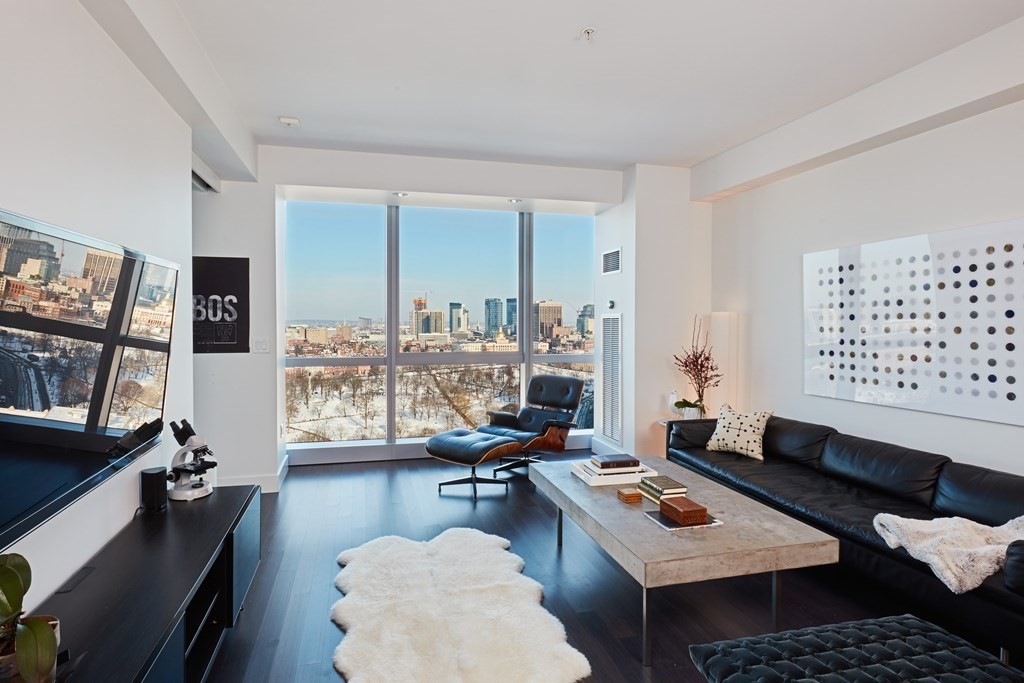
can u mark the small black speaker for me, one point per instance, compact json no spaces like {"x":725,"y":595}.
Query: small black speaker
{"x":153,"y":482}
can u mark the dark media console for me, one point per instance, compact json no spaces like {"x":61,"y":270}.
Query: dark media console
{"x":153,"y":604}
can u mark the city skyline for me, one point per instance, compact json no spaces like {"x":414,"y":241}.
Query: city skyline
{"x":442,"y":259}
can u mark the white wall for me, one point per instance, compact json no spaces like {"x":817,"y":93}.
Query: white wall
{"x":89,"y":145}
{"x":240,"y":398}
{"x":967,"y":173}
{"x":236,"y":393}
{"x":665,"y":282}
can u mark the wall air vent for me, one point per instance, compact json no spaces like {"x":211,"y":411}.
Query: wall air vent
{"x":611,"y":262}
{"x":611,"y":377}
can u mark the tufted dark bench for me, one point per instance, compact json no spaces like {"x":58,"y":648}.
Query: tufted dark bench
{"x":902,"y":648}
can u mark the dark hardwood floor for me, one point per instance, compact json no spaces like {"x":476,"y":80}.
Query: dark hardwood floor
{"x":285,"y":632}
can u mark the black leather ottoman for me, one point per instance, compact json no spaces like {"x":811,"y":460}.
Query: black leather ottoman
{"x":466,"y":447}
{"x":895,"y":649}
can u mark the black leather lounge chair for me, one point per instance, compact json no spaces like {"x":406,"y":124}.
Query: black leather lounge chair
{"x":543,"y":424}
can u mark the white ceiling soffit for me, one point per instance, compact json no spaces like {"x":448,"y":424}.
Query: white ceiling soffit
{"x":161,"y":44}
{"x":968,"y":80}
{"x":662,"y":82}
{"x":439,"y":200}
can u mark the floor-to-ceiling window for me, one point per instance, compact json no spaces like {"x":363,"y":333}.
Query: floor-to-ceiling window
{"x":403,"y":322}
{"x":563,"y":308}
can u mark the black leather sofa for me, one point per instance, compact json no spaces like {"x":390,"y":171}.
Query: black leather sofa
{"x":838,"y":483}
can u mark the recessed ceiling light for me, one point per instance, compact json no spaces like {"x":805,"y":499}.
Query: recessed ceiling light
{"x":400,"y":194}
{"x":515,"y":201}
{"x":289,"y":121}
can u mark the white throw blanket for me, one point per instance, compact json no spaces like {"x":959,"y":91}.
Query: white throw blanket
{"x":961,"y":552}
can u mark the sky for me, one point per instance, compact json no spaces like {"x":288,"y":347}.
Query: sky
{"x":335,"y":263}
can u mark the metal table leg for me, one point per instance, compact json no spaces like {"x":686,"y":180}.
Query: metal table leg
{"x":559,"y":527}
{"x":776,"y":597}
{"x":646,"y":634}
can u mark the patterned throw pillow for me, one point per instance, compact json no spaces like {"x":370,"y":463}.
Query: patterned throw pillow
{"x":739,"y":433}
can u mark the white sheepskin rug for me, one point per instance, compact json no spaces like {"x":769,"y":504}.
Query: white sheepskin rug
{"x":454,"y":609}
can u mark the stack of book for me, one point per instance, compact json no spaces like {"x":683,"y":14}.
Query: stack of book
{"x":656,"y":488}
{"x":606,"y":470}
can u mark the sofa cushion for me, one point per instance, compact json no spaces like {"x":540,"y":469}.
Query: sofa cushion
{"x":741,"y":433}
{"x":898,"y":471}
{"x":794,"y":440}
{"x":832,"y":504}
{"x":691,"y":433}
{"x":977,"y":493}
{"x":1014,"y":568}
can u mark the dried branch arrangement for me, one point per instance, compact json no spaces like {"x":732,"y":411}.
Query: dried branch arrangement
{"x":699,"y":366}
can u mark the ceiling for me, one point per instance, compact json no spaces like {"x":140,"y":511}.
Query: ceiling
{"x":669,"y":82}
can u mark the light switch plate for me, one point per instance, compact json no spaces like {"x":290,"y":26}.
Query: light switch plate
{"x":260,"y":345}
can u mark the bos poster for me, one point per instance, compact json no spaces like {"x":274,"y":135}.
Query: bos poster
{"x":220,"y":304}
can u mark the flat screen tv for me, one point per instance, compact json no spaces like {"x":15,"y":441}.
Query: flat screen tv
{"x":85,"y":339}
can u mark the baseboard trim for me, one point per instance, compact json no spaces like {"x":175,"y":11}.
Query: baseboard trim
{"x":270,"y":483}
{"x":329,"y":455}
{"x":602,"y":447}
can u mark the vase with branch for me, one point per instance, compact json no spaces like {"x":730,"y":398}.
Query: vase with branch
{"x":699,"y":367}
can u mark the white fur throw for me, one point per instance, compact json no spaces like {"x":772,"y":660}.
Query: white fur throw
{"x":454,"y":609}
{"x":961,"y":552}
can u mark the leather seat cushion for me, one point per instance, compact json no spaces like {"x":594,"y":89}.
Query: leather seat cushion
{"x":508,"y":432}
{"x":900,"y":648}
{"x":555,"y":391}
{"x":533,"y":419}
{"x":467,"y":447}
{"x":895,"y":470}
{"x":1014,"y":568}
{"x":978,"y":493}
{"x":832,"y":504}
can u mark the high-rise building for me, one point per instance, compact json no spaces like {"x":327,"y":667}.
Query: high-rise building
{"x":458,"y":317}
{"x":427,"y":322}
{"x":104,"y":268}
{"x":364,"y":323}
{"x":419,"y":303}
{"x":512,"y":316}
{"x":586,"y":314}
{"x":316,"y":335}
{"x":547,"y":315}
{"x":492,"y":317}
{"x":15,"y":254}
{"x":39,"y":269}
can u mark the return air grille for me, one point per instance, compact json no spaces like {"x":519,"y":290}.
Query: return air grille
{"x":611,"y":262}
{"x":611,"y":378}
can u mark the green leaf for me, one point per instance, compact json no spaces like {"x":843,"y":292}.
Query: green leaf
{"x":35,"y":650}
{"x":19,"y":564}
{"x":12,"y":592}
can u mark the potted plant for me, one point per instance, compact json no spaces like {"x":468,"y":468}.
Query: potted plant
{"x":31,"y":641}
{"x":700,"y":368}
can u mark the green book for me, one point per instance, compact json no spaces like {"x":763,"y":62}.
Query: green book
{"x":662,"y":485}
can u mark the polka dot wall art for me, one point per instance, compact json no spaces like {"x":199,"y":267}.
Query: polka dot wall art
{"x":931,"y":322}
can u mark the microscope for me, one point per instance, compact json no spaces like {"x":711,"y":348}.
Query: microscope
{"x":193,"y":460}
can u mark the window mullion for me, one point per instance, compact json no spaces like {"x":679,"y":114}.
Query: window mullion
{"x":392,"y":325}
{"x":524,"y":321}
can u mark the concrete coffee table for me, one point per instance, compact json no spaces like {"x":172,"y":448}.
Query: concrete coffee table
{"x":752,"y":538}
